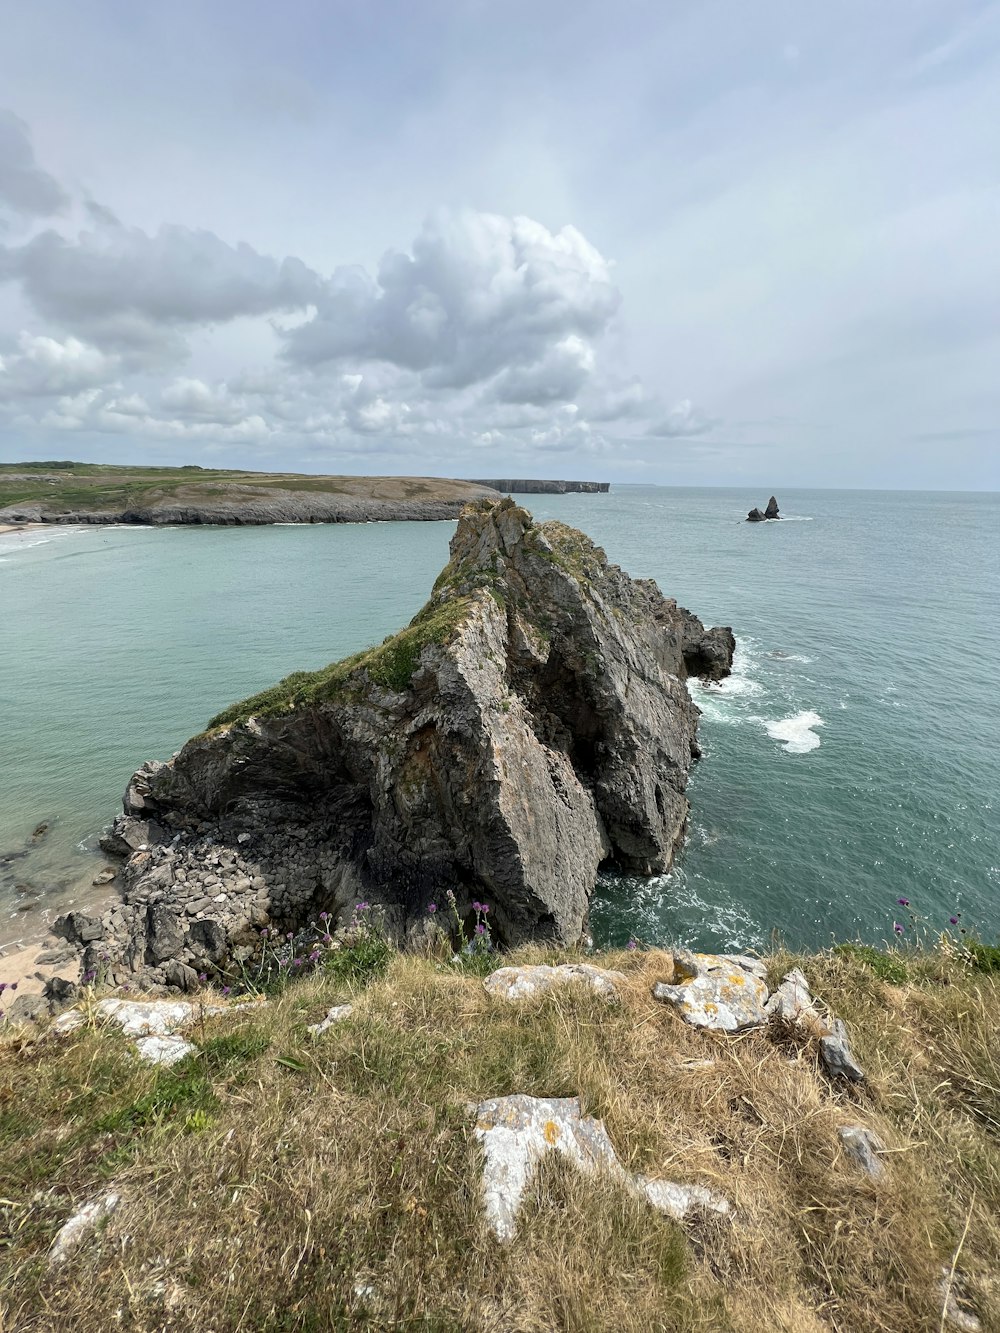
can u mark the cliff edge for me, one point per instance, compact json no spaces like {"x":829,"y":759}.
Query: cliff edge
{"x":530,"y":724}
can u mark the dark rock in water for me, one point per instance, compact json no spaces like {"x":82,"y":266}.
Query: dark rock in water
{"x":756,"y":516}
{"x":40,"y":832}
{"x":531,"y":723}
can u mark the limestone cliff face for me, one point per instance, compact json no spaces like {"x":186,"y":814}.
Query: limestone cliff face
{"x":531,"y":723}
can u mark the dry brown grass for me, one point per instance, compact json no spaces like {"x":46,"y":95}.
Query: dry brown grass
{"x":282,"y":1183}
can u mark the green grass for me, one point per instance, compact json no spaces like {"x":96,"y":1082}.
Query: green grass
{"x":887,"y":966}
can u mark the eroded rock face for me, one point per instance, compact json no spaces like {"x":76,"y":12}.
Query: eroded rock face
{"x":530,"y":724}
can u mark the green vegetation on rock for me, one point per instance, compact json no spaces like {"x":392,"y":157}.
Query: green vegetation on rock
{"x":390,"y":665}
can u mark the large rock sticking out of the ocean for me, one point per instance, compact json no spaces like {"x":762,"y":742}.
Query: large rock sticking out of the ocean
{"x":531,"y":723}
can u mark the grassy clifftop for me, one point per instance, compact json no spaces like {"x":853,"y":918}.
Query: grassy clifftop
{"x":62,"y":488}
{"x":276,"y":1180}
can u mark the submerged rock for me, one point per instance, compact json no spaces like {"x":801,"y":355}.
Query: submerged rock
{"x":531,"y":723}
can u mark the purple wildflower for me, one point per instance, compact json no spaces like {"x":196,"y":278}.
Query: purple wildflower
{"x":227,"y":990}
{"x":324,"y":916}
{"x":897,"y":928}
{"x":903,"y":902}
{"x":632,"y":944}
{"x":480,"y":929}
{"x":953,"y":920}
{"x":3,"y":987}
{"x":263,"y":932}
{"x":484,"y":907}
{"x":363,"y":907}
{"x":290,"y":935}
{"x":202,"y":976}
{"x":432,"y":908}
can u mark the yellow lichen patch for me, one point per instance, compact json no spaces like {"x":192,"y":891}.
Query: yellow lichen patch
{"x":551,"y":1133}
{"x":737,"y":980}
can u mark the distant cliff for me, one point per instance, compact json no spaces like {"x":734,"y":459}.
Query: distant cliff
{"x":98,"y":493}
{"x":523,"y":487}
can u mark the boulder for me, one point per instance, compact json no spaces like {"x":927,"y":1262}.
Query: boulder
{"x":836,"y":1055}
{"x":531,"y":723}
{"x":515,"y":983}
{"x":726,"y":992}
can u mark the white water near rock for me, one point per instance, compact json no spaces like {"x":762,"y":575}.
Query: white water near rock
{"x":796,"y":733}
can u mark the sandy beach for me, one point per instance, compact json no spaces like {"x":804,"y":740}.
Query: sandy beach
{"x":20,"y":527}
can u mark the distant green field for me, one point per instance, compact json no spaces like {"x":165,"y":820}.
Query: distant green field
{"x":66,"y":487}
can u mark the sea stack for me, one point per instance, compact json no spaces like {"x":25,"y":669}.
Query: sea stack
{"x":530,"y":725}
{"x":756,"y":516}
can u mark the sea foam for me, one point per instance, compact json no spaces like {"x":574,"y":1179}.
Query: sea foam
{"x":796,"y":733}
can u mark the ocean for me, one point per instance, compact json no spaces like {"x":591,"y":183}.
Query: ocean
{"x":851,"y":759}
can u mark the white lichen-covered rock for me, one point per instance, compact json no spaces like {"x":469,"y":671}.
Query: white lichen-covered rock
{"x":792,"y":1002}
{"x":517,"y":1132}
{"x":679,"y":1200}
{"x":164,"y":1050}
{"x":147,"y":1018}
{"x":726,"y":992}
{"x":516,"y":983}
{"x":80,"y":1225}
{"x":335,"y":1015}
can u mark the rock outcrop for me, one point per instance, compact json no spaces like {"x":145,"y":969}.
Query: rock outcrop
{"x":531,"y":723}
{"x":756,"y":516}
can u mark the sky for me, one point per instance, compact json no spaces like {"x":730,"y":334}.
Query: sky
{"x":690,"y":243}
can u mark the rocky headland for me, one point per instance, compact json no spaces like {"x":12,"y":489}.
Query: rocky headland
{"x":85,"y":493}
{"x":530,"y":725}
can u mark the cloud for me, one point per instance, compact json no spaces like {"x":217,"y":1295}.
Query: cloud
{"x":683,"y":421}
{"x":480,"y":296}
{"x":127,"y":290}
{"x":24,"y":187}
{"x":46,"y":366}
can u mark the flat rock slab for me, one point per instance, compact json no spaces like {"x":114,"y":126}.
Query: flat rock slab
{"x":80,"y":1225}
{"x":517,"y":1132}
{"x":726,"y":992}
{"x":516,"y":983}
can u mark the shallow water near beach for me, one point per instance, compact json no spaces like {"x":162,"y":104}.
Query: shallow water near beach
{"x":851,"y":759}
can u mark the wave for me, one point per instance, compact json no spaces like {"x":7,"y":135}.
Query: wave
{"x":796,"y":733}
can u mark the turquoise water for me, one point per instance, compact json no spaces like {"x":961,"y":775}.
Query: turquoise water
{"x":852,"y":758}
